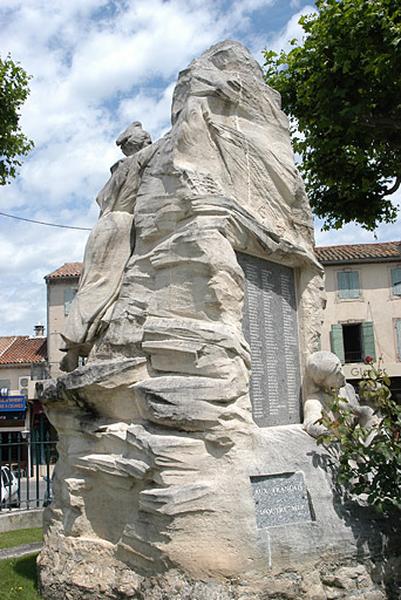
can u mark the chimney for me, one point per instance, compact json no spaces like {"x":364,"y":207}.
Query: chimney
{"x":39,"y":330}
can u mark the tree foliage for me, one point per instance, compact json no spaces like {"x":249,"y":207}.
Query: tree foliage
{"x":13,"y":93}
{"x":367,"y":460}
{"x":342,"y":85}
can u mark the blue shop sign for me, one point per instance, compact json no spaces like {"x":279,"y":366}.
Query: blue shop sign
{"x":12,"y":403}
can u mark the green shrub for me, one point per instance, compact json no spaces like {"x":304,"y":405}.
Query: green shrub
{"x":367,"y":459}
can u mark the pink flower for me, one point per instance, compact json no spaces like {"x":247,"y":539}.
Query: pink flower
{"x":368,"y":360}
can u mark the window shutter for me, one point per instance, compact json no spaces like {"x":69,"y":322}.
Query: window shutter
{"x":343,"y":284}
{"x":353,"y":284}
{"x":398,"y":337}
{"x":396,"y":281}
{"x":337,"y":341}
{"x":368,"y":340}
{"x":348,"y":284}
{"x":69,"y":294}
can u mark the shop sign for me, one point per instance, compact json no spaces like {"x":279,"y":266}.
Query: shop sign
{"x":12,"y":404}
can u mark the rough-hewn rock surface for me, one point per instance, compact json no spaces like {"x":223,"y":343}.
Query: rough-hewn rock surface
{"x":153,"y":497}
{"x":87,"y":577}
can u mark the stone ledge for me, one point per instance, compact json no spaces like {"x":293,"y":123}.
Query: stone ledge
{"x":11,"y":521}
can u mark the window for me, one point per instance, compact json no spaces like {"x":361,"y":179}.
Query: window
{"x":69,"y":294}
{"x":396,"y":281}
{"x":38,"y":372}
{"x":5,"y":385}
{"x":352,"y":342}
{"x":348,"y":284}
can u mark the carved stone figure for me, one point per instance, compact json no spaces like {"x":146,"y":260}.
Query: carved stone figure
{"x":108,"y":249}
{"x":133,"y":139}
{"x":161,"y":488}
{"x":324,"y":375}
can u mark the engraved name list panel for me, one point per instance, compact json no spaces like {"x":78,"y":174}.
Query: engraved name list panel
{"x":271,"y":329}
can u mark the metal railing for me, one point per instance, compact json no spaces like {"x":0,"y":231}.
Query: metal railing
{"x":27,"y":463}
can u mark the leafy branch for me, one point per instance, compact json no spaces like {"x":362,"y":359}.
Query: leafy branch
{"x":14,"y":91}
{"x":342,"y":85}
{"x":367,"y":459}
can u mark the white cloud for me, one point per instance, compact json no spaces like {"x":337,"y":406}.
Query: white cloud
{"x":27,"y":255}
{"x":97,"y":65}
{"x":52,"y":248}
{"x":292,"y":30}
{"x":355,"y":234}
{"x":152,"y":109}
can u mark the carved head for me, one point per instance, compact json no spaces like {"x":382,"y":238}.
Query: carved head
{"x":325,"y":370}
{"x":220,"y":65}
{"x":133,"y":139}
{"x":231,"y":55}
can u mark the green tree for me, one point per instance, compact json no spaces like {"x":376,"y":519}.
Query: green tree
{"x":13,"y":93}
{"x":342,"y":87}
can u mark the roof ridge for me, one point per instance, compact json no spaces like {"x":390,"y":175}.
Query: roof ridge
{"x":359,"y":244}
{"x":9,"y":345}
{"x":354,"y":253}
{"x":66,"y":270}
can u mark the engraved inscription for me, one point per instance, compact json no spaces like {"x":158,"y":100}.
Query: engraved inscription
{"x":271,"y":329}
{"x":281,"y":499}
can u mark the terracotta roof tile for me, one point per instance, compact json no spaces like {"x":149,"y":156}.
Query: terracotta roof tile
{"x":68,"y":270}
{"x":353,"y":253}
{"x":22,"y":349}
{"x":5,"y":342}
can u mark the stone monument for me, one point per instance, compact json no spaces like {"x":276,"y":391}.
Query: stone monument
{"x":184,"y":470}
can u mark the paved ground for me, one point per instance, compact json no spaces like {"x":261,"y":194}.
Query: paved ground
{"x":36,"y":492}
{"x":32,"y":494}
{"x":20,"y":550}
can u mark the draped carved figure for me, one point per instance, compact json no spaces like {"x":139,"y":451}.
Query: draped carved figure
{"x":108,"y":248}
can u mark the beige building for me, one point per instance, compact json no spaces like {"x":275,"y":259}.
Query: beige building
{"x":23,"y":361}
{"x":363,"y":311}
{"x":62,"y":286}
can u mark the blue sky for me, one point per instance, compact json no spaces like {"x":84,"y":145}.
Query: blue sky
{"x":97,"y":65}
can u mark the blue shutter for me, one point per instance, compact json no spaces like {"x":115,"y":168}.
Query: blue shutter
{"x":348,"y":284}
{"x":368,"y":340}
{"x":342,"y":277}
{"x":398,"y":337}
{"x":337,"y":341}
{"x":396,"y":281}
{"x":353,"y":284}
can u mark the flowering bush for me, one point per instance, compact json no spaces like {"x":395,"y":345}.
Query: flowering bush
{"x":367,"y":459}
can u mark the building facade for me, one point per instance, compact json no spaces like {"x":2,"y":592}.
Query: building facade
{"x":363,"y":310}
{"x":23,"y":361}
{"x":62,"y":286}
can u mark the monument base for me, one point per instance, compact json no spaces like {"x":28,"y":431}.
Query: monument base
{"x":315,"y":547}
{"x":104,"y":577}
